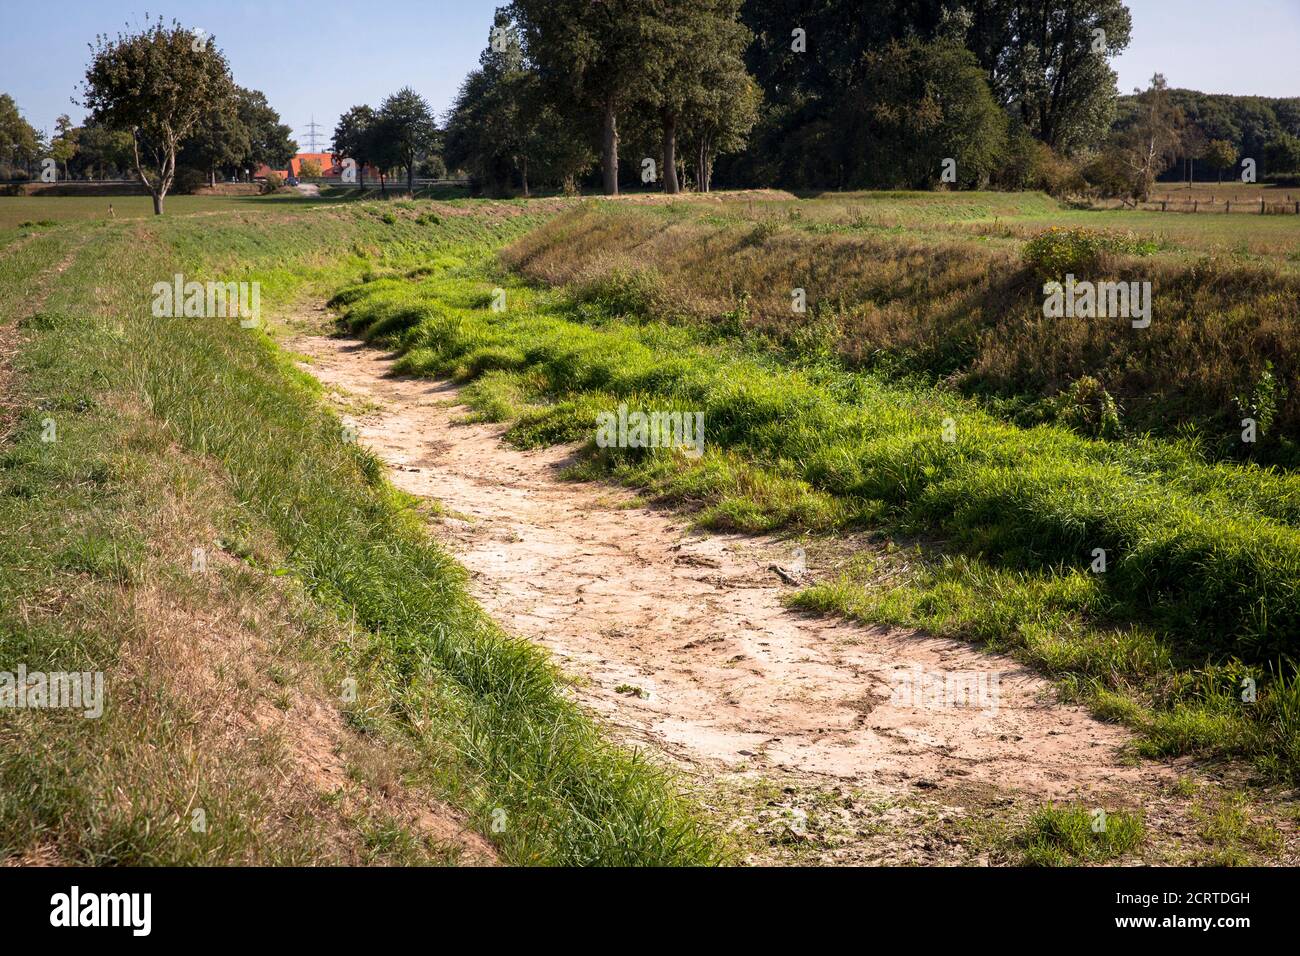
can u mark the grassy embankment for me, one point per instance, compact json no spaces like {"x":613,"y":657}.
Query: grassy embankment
{"x":227,"y":690}
{"x":1200,"y":588}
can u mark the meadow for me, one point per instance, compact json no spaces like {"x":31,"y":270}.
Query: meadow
{"x":968,"y":457}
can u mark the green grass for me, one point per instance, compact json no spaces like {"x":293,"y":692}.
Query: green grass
{"x":145,"y":407}
{"x":1202,"y":560}
{"x":1072,"y":835}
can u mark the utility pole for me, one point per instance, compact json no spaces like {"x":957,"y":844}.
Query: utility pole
{"x":313,"y":137}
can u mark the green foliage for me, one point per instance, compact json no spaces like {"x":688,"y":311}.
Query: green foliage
{"x":158,"y":84}
{"x":1088,"y":408}
{"x":1073,"y":834}
{"x":1058,"y":252}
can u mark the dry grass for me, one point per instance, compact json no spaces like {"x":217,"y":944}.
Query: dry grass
{"x":947,"y":305}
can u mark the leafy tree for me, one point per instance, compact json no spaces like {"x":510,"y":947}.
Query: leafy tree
{"x":353,"y":139}
{"x":917,"y":105}
{"x":157,"y":84}
{"x":1221,"y":155}
{"x":719,"y":121}
{"x":1151,"y":143}
{"x":19,"y":141}
{"x":690,"y":48}
{"x":1283,"y":154}
{"x":407,"y":124}
{"x":590,"y":58}
{"x":270,"y":142}
{"x":219,"y":140}
{"x":502,"y":127}
{"x":101,"y":150}
{"x":1049,"y":64}
{"x":63,"y":146}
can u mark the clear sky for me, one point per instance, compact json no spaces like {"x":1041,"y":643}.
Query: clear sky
{"x":324,"y":56}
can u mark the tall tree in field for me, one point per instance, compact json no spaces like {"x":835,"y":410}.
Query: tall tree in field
{"x":63,"y":145}
{"x":407,"y":122}
{"x":689,"y":49}
{"x":219,"y":140}
{"x":719,"y":122}
{"x":353,"y":136}
{"x":1221,"y":155}
{"x":1048,"y":61}
{"x":269,"y":140}
{"x":1151,"y":143}
{"x":18,"y":139}
{"x":591,"y":57}
{"x":157,"y":84}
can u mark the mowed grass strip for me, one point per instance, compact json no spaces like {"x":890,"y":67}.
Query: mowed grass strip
{"x":1201,"y":561}
{"x":488,"y":713}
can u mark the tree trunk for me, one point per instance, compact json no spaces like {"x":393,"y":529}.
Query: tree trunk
{"x":212,"y":177}
{"x":671,"y":186}
{"x":609,"y":150}
{"x":157,"y":204}
{"x":410,"y":177}
{"x":523,"y":172}
{"x":383,"y":185}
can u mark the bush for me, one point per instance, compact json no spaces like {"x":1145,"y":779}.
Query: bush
{"x":1058,"y":252}
{"x":1087,"y":408}
{"x":273,"y":182}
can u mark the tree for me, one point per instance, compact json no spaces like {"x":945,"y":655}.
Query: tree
{"x":1221,"y":155}
{"x":19,"y":142}
{"x":63,"y":146}
{"x":690,"y":48}
{"x":1047,"y":61}
{"x":502,"y":128}
{"x":408,"y":125}
{"x":353,"y":137}
{"x":157,"y":84}
{"x":269,"y":140}
{"x":589,"y":57}
{"x":1283,"y":154}
{"x":917,"y":106}
{"x":100,"y":149}
{"x":1151,"y":143}
{"x":219,"y":140}
{"x":719,"y":121}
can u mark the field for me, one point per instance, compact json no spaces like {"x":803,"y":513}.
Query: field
{"x":438,"y":619}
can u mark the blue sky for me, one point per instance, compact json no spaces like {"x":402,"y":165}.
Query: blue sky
{"x":322,"y":57}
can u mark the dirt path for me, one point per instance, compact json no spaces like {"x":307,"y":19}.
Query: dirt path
{"x":680,"y":640}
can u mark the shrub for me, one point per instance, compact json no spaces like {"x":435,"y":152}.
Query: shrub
{"x":1057,"y":252}
{"x":1088,"y":408}
{"x":273,"y":182}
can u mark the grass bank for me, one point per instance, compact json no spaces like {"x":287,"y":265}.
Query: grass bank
{"x":1149,"y":581}
{"x":937,"y":286}
{"x":171,"y":435}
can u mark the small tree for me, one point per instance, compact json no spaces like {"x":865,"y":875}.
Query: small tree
{"x":407,"y":123}
{"x":18,"y":139}
{"x":157,"y":84}
{"x":352,"y":139}
{"x":1221,"y":155}
{"x":1152,"y":141}
{"x":1283,"y":154}
{"x":64,"y":144}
